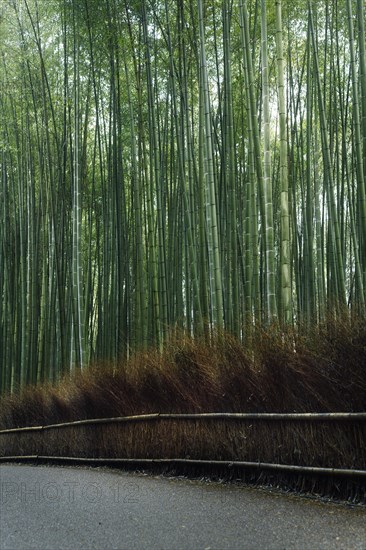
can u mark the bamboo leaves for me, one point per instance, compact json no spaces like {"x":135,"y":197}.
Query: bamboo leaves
{"x":164,"y":168}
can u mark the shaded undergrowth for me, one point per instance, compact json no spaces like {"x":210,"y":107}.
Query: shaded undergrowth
{"x":317,"y":370}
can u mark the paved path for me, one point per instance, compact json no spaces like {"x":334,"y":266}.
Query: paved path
{"x":78,"y":508}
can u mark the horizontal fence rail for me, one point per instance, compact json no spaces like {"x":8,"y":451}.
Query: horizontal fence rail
{"x":188,"y":461}
{"x":153,"y":417}
{"x":193,"y":416}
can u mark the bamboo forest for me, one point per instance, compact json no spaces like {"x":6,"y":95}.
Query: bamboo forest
{"x":175,"y":166}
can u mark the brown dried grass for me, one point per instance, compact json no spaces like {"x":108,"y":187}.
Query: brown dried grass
{"x":317,"y":370}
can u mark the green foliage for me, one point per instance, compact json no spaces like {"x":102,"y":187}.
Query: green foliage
{"x":174,"y":227}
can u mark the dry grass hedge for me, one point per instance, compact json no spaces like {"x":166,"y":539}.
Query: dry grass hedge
{"x":318,"y":370}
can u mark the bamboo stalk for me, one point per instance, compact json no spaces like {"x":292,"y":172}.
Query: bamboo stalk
{"x":194,"y":416}
{"x":228,"y":463}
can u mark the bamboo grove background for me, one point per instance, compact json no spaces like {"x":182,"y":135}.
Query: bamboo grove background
{"x":175,"y":165}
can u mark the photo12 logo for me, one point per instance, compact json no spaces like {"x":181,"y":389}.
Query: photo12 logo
{"x":68,"y":492}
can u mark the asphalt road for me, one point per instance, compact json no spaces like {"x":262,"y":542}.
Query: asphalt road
{"x":79,"y":508}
